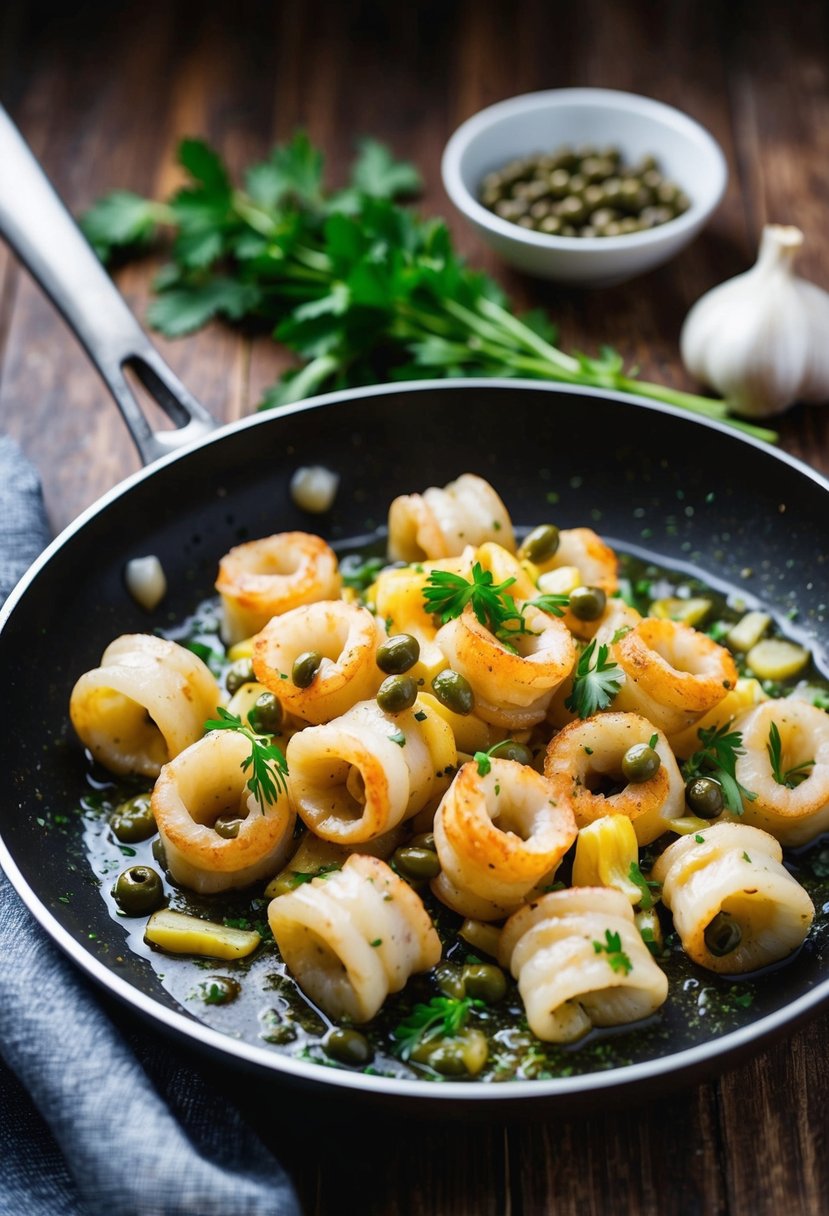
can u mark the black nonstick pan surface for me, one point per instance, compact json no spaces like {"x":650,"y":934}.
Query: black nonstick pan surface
{"x":648,"y":478}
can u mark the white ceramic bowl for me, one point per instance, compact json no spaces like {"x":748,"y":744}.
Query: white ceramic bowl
{"x":541,"y":122}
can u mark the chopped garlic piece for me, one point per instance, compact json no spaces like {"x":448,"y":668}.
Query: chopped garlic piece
{"x":314,"y":488}
{"x":689,"y":612}
{"x":561,"y":581}
{"x":146,"y":581}
{"x":183,"y":934}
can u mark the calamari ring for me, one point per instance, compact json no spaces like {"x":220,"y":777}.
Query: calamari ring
{"x":263,"y":578}
{"x":442,"y":522}
{"x":587,"y":753}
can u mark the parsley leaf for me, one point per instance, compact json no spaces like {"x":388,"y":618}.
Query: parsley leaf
{"x":792,"y":777}
{"x":446,"y":594}
{"x":442,"y":1017}
{"x":650,"y":890}
{"x":268,"y":766}
{"x":717,"y":758}
{"x":360,"y":288}
{"x":612,"y":946}
{"x":595,"y":683}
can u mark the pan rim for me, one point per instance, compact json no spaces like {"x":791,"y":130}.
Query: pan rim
{"x":670,"y":1067}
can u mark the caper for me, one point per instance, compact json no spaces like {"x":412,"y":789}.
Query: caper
{"x":485,"y":982}
{"x":572,"y":209}
{"x":227,"y":826}
{"x":722,"y":934}
{"x":347,"y":1046}
{"x":705,"y":797}
{"x":423,"y":840}
{"x":397,"y":693}
{"x":133,"y":820}
{"x":239,"y":673}
{"x":640,"y":762}
{"x":265,"y":715}
{"x":558,"y":183}
{"x":509,"y":749}
{"x":453,"y":691}
{"x":587,"y":603}
{"x":398,"y":654}
{"x":446,"y":1058}
{"x":526,"y":221}
{"x":541,"y":544}
{"x":416,"y":863}
{"x":451,"y":981}
{"x":305,"y":668}
{"x":551,"y":224}
{"x":540,"y":210}
{"x":138,"y":891}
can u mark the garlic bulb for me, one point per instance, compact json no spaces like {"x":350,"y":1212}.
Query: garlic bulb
{"x":762,"y":339}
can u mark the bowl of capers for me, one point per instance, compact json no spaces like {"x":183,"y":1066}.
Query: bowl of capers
{"x":584,"y":186}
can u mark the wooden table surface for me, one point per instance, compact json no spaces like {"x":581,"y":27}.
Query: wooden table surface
{"x":104,"y":94}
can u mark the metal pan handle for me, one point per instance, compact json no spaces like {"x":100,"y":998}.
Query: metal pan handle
{"x":49,"y":243}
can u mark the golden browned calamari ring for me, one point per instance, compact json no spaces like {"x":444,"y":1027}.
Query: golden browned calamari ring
{"x":585,"y":753}
{"x":346,"y":635}
{"x":736,"y":870}
{"x":354,"y":936}
{"x":203,"y":782}
{"x":147,"y":701}
{"x":442,"y":522}
{"x":358,"y":776}
{"x":595,"y":561}
{"x":497,"y":835}
{"x":266,"y":577}
{"x":511,"y":689}
{"x":794,"y":816}
{"x":568,"y":985}
{"x":674,"y":674}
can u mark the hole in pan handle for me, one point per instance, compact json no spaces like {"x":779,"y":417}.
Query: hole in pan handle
{"x":49,"y":243}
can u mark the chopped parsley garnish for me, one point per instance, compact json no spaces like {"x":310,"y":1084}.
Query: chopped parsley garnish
{"x":359,"y":573}
{"x":446,"y":595}
{"x":596,"y":682}
{"x":612,"y":947}
{"x":268,"y":766}
{"x":649,"y":889}
{"x":717,"y":758}
{"x":443,"y":1017}
{"x":791,"y":777}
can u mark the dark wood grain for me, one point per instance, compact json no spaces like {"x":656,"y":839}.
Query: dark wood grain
{"x":104,"y":92}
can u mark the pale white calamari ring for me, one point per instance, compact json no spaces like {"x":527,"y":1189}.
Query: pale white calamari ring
{"x":442,"y":522}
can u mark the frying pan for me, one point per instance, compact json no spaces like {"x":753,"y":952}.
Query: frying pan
{"x":693,"y":492}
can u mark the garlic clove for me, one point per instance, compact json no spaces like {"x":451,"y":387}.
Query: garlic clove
{"x":759,"y":339}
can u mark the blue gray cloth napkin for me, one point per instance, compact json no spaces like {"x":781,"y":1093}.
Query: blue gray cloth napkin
{"x":93,"y":1122}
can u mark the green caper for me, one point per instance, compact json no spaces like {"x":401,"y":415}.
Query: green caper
{"x":397,"y":693}
{"x":451,"y":980}
{"x":239,"y":673}
{"x":722,"y":934}
{"x":540,"y":544}
{"x":138,"y":891}
{"x":265,"y":715}
{"x":227,"y":826}
{"x":398,"y":654}
{"x":423,"y":840}
{"x":348,"y":1046}
{"x":305,"y":668}
{"x":551,"y":224}
{"x":133,"y":820}
{"x":705,"y":797}
{"x":587,"y":603}
{"x":453,"y":691}
{"x":486,"y":982}
{"x":446,"y":1058}
{"x":509,"y":749}
{"x":416,"y":863}
{"x":640,"y":762}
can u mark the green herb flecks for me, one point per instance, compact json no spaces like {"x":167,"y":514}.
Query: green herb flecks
{"x":791,"y":777}
{"x":443,"y":1017}
{"x":266,"y":763}
{"x":650,"y":890}
{"x":612,"y":947}
{"x":717,"y":758}
{"x":595,"y":683}
{"x":358,"y":286}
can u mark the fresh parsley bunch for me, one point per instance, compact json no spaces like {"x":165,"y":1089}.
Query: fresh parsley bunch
{"x":358,"y":286}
